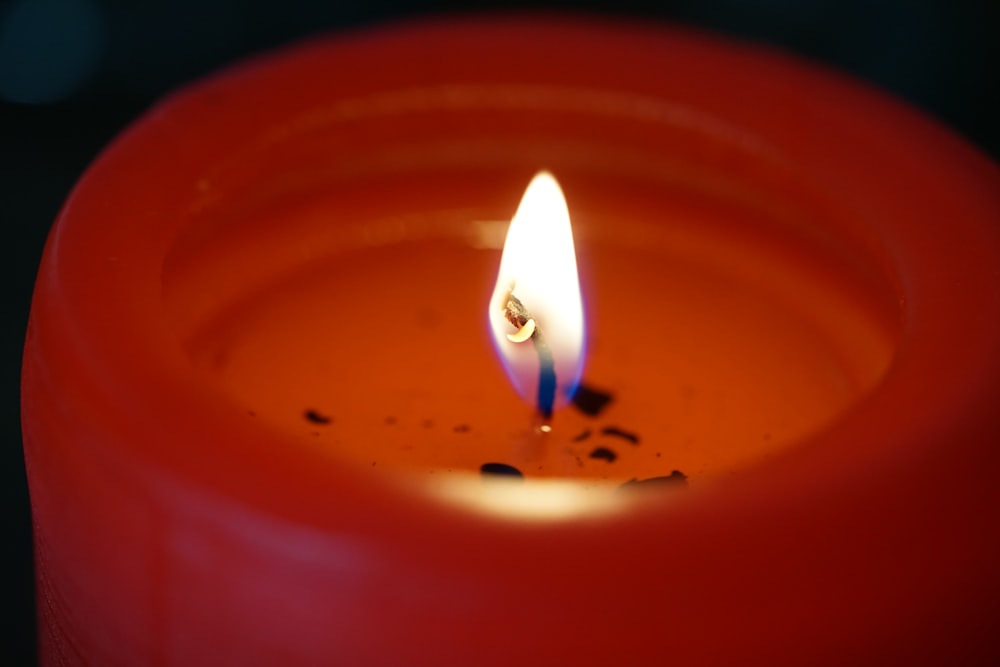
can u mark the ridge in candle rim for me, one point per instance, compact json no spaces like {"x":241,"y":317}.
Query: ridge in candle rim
{"x":538,"y":278}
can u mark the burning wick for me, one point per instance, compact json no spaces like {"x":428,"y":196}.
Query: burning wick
{"x":524,"y":333}
{"x":528,"y":329}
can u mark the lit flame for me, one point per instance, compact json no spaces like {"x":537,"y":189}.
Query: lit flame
{"x":538,"y":288}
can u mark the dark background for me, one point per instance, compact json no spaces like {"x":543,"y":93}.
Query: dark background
{"x":74,"y":72}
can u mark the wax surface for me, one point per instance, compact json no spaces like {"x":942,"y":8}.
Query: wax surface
{"x":716,"y":348}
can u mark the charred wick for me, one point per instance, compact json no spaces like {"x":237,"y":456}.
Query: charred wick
{"x":518,"y":315}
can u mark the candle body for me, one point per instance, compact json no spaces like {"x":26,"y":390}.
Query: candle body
{"x":185,"y":513}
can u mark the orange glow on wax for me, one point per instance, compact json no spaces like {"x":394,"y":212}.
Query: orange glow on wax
{"x":536,"y":311}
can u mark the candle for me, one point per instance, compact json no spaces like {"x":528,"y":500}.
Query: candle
{"x":260,"y":387}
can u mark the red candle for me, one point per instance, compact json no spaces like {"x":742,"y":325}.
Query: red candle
{"x":259,"y":384}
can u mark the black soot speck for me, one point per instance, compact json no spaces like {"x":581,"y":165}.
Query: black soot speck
{"x":590,"y":401}
{"x":616,"y":432}
{"x":583,"y":436}
{"x":462,"y":428}
{"x":317,"y":417}
{"x":604,"y":453}
{"x":500,"y":469}
{"x":675,"y":479}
